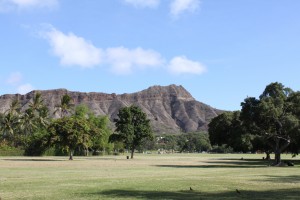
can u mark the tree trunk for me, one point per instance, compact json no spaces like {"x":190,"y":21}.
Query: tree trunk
{"x":278,"y":150}
{"x":87,"y":152}
{"x":71,"y":155}
{"x":132,"y":152}
{"x":268,"y":157}
{"x":277,"y":157}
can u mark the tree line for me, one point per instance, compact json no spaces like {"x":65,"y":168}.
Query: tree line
{"x":77,"y":130}
{"x":270,"y":124}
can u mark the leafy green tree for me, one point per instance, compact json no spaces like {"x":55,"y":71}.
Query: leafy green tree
{"x":132,"y":127}
{"x":194,"y":142}
{"x":82,"y":111}
{"x":273,"y":117}
{"x":146,"y":145}
{"x":70,"y":132}
{"x":228,"y":129}
{"x":100,"y":125}
{"x":219,"y":128}
{"x":171,"y":142}
{"x":37,"y":143}
{"x":168,"y":142}
{"x":293,"y":102}
{"x":100,"y":141}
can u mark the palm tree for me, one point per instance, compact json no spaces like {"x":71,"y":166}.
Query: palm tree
{"x":37,"y":103}
{"x":14,"y":107}
{"x":40,"y":112}
{"x":43,"y":117}
{"x":65,"y":107}
{"x":28,"y":124}
{"x":10,"y":121}
{"x":9,"y":126}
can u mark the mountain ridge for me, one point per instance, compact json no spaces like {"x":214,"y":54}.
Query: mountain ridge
{"x":171,"y":109}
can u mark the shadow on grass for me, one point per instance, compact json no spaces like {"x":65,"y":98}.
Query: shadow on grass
{"x":286,"y":194}
{"x":31,"y":160}
{"x":209,"y":166}
{"x":228,"y":163}
{"x":284,"y":179}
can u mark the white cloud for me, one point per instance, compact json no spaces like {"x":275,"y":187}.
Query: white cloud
{"x":143,"y":3}
{"x":124,"y":60}
{"x":9,"y":5}
{"x":73,"y":50}
{"x":14,"y":78}
{"x":25,"y":88}
{"x":180,"y":6}
{"x":181,"y":65}
{"x":76,"y":51}
{"x":34,"y":3}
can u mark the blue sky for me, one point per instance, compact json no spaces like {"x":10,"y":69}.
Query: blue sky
{"x":221,"y":51}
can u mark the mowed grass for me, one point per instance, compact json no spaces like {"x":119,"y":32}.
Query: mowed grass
{"x":211,"y":176}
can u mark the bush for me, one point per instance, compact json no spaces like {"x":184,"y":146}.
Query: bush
{"x":37,"y":144}
{"x":6,"y":150}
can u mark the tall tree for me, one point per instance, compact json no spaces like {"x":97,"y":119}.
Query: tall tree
{"x":272,"y":116}
{"x":10,"y":122}
{"x":69,"y":133}
{"x":14,"y":107}
{"x":132,"y":127}
{"x":65,"y":107}
{"x":293,"y":102}
{"x":40,"y":111}
{"x":28,"y":122}
{"x":36,"y":116}
{"x":36,"y":103}
{"x":99,"y":124}
{"x":228,"y":129}
{"x":9,"y":126}
{"x":219,"y":128}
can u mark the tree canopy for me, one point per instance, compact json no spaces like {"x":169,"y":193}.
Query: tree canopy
{"x":270,"y":123}
{"x":132,"y":127}
{"x":273,"y":116}
{"x":227,"y":128}
{"x":70,"y":132}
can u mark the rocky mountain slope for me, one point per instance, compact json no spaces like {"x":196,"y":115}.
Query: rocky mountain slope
{"x":171,"y":109}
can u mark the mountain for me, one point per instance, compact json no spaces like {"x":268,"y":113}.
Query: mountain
{"x":171,"y":109}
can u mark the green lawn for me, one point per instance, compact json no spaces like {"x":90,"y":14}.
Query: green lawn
{"x":211,"y":176}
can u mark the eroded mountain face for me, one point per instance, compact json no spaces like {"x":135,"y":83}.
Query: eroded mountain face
{"x":171,"y":109}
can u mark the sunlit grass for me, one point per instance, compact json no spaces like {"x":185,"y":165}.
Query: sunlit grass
{"x":153,"y":176}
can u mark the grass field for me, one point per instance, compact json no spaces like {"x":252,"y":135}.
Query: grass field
{"x":211,"y":176}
